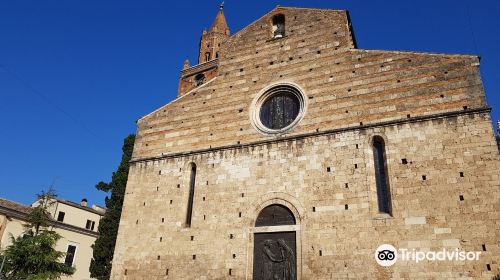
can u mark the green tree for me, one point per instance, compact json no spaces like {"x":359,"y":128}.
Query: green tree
{"x":104,"y":246}
{"x":32,"y":255}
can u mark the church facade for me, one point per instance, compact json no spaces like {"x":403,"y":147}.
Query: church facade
{"x":290,"y":153}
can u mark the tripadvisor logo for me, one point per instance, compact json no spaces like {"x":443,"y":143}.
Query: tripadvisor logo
{"x":387,"y":255}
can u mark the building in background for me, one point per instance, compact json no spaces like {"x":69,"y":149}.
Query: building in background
{"x":76,"y":223}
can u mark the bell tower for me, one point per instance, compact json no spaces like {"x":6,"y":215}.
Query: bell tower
{"x":211,"y":40}
{"x":208,"y":58}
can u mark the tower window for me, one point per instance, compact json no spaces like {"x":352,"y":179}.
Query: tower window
{"x":199,"y":79}
{"x":383,"y":194}
{"x":217,"y":55}
{"x":207,"y":56}
{"x":192,"y":182}
{"x":278,"y":26}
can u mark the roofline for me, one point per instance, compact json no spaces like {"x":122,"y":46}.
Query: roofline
{"x":24,"y":217}
{"x":76,"y":205}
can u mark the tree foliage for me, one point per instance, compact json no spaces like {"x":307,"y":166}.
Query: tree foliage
{"x":32,"y":255}
{"x":104,"y":246}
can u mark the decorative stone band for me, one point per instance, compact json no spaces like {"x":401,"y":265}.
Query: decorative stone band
{"x":482,"y":110}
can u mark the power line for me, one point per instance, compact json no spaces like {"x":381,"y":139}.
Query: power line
{"x":467,"y":8}
{"x":48,"y":100}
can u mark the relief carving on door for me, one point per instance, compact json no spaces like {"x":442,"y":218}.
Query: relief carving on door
{"x":275,"y":252}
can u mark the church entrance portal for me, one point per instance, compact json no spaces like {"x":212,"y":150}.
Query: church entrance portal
{"x":275,"y":253}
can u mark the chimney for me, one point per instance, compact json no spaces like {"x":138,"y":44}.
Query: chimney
{"x":84,"y":202}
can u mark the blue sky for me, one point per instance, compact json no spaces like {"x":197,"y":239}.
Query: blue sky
{"x":75,"y":75}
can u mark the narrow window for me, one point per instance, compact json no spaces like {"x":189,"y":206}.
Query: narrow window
{"x":60,"y":216}
{"x":199,"y":79}
{"x":278,"y":26}
{"x":192,"y":182}
{"x":88,"y":224}
{"x":217,"y":55}
{"x":383,"y":194}
{"x":93,"y":225}
{"x":70,"y":255}
{"x":207,"y":56}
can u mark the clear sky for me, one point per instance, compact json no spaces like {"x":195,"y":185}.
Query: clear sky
{"x":75,"y":75}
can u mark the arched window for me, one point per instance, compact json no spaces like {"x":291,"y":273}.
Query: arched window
{"x":207,"y":56}
{"x":199,"y":79}
{"x":278,"y":26}
{"x":383,"y":192}
{"x":192,"y":182}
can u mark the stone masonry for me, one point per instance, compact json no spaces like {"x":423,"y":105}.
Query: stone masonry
{"x":441,"y":154}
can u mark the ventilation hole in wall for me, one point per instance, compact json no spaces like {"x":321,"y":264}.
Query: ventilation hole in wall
{"x":281,"y":76}
{"x":336,"y":48}
{"x":355,"y":165}
{"x":314,"y":209}
{"x":161,"y":239}
{"x":171,"y":201}
{"x":424,"y":177}
{"x":158,"y":258}
{"x":159,"y":172}
{"x":162,"y":220}
{"x":192,"y":238}
{"x":182,"y":121}
{"x":409,"y":60}
{"x":282,"y":61}
{"x":328,"y":169}
{"x":311,"y":97}
{"x":348,"y":90}
{"x":382,"y":66}
{"x":230,"y":271}
{"x":194,"y":93}
{"x":300,"y":57}
{"x":254,"y":82}
{"x":295,"y":17}
{"x":207,"y":183}
{"x":241,"y":70}
{"x":211,"y":134}
{"x":239,"y":214}
{"x":357,"y":146}
{"x":408,"y":116}
{"x":353,"y":71}
{"x":271,"y":63}
{"x":442,"y":96}
{"x":256,"y":52}
{"x":166,"y":272}
{"x":488,"y":267}
{"x":318,"y":52}
{"x":238,"y":142}
{"x":231,"y":236}
{"x":310,"y":69}
{"x":240,"y":110}
{"x":204,"y":217}
{"x":320,"y":253}
{"x":461,"y":174}
{"x":360,"y":123}
{"x":178,"y":186}
{"x":144,"y":204}
{"x":137,"y":222}
{"x":484,"y":247}
{"x":346,"y":207}
{"x":230,"y":86}
{"x":290,"y":58}
{"x":194,"y":257}
{"x":465,"y":107}
{"x":317,"y":129}
{"x":461,"y":197}
{"x":399,"y":81}
{"x":125,"y":272}
{"x":346,"y":185}
{"x":404,"y":161}
{"x":203,"y":198}
{"x":346,"y":111}
{"x":157,"y":188}
{"x":257,"y":66}
{"x":234,"y":256}
{"x":303,"y":41}
{"x":446,"y":72}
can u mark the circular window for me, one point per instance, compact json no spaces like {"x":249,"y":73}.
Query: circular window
{"x":278,"y":109}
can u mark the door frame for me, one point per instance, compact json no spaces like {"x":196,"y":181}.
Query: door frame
{"x":284,"y":200}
